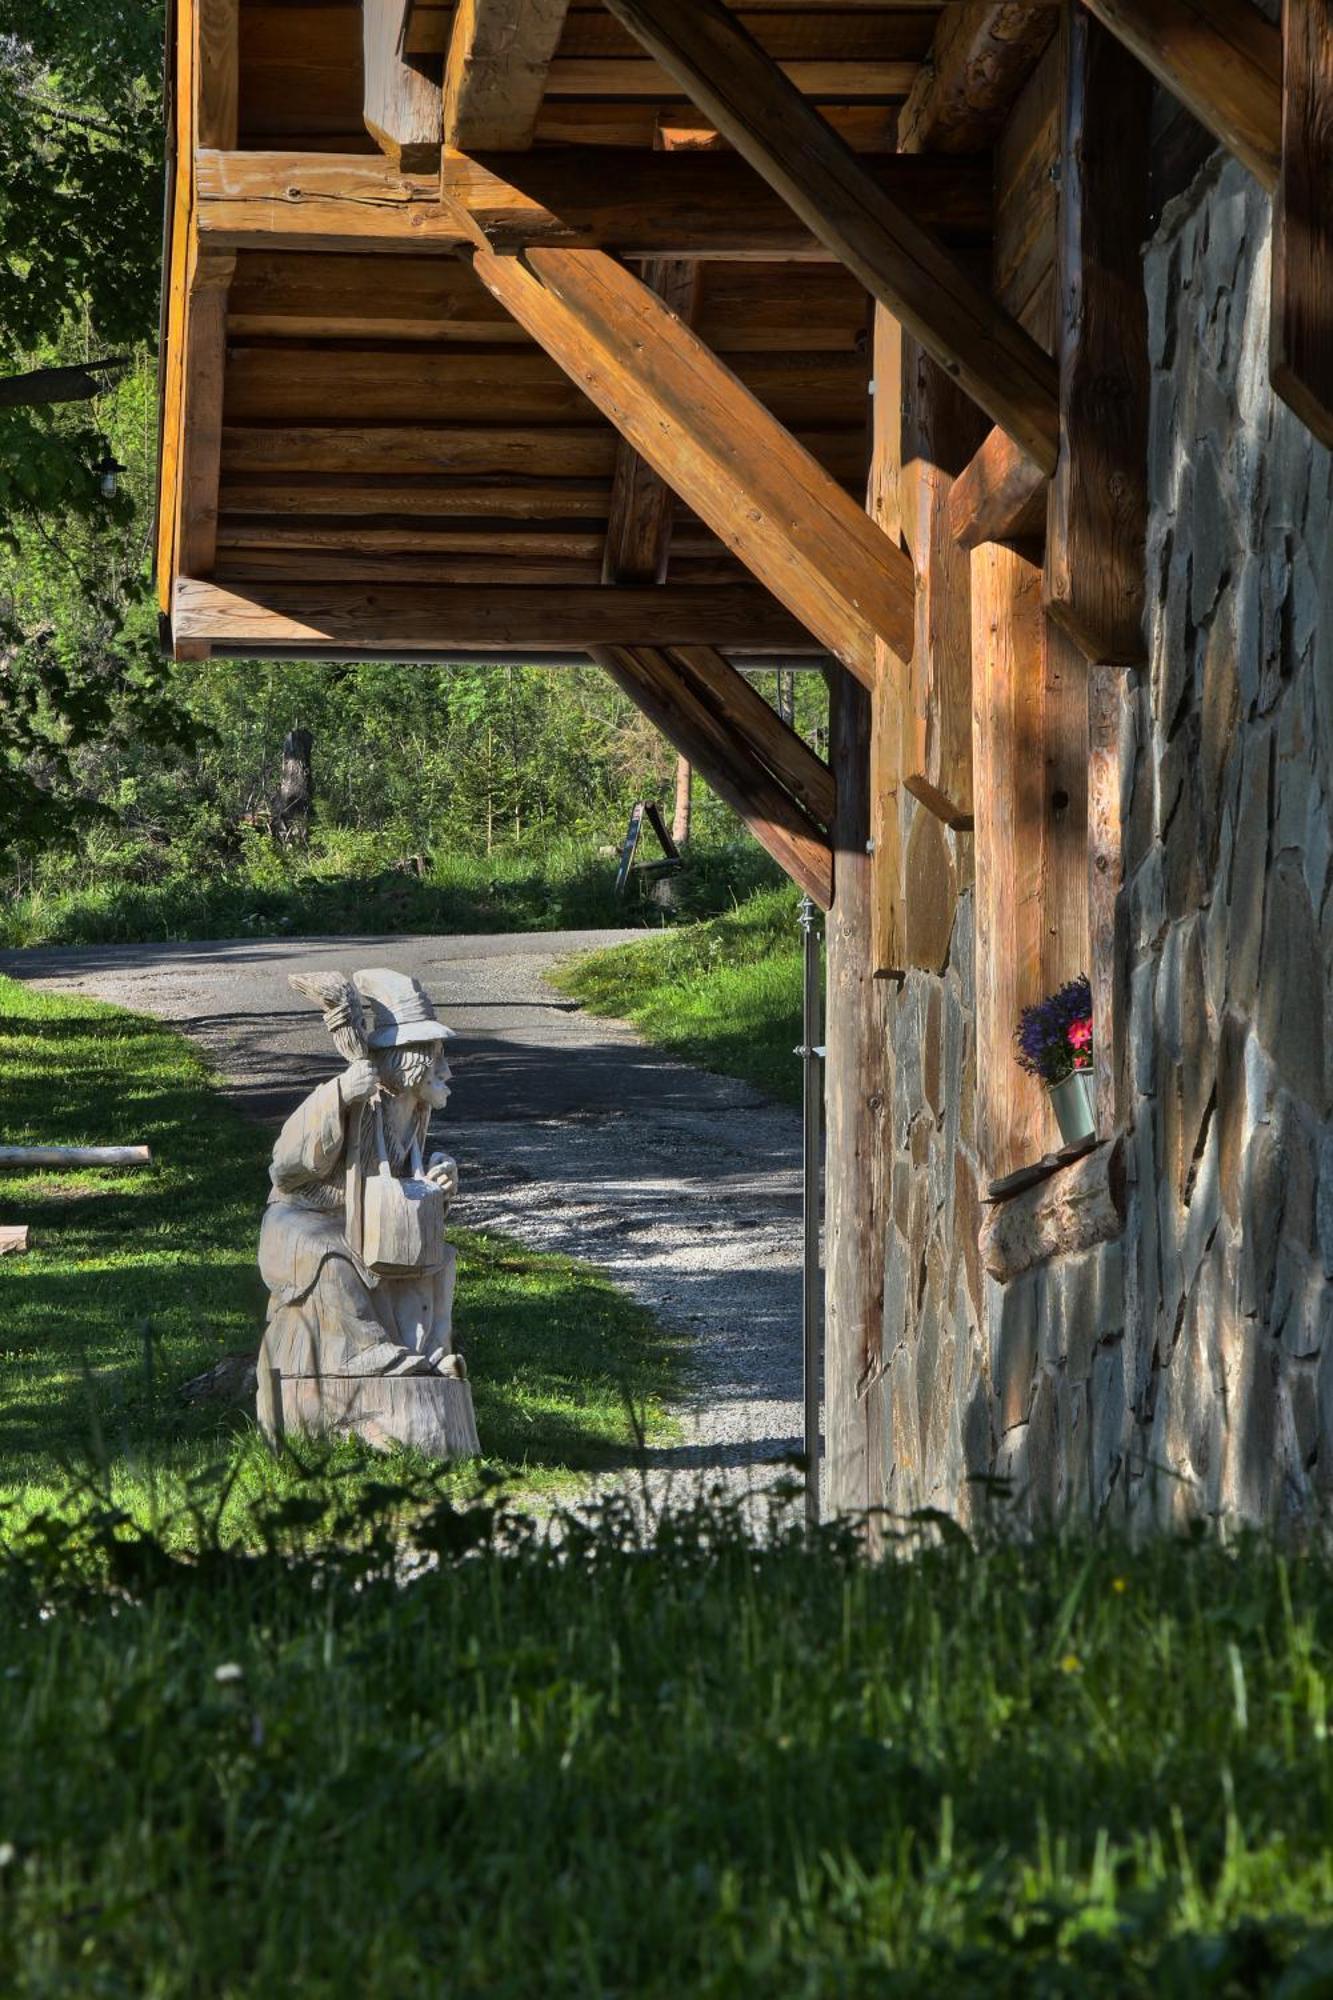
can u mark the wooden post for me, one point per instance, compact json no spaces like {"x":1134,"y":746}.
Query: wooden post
{"x":857,"y":1097}
{"x":1030,"y":754}
{"x":1098,"y":513}
{"x":941,"y":431}
{"x":1301,"y":354}
{"x":684,"y":806}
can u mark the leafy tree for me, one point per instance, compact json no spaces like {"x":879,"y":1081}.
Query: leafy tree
{"x":80,"y":228}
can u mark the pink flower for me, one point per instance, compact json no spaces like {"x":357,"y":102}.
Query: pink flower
{"x":1080,"y":1034}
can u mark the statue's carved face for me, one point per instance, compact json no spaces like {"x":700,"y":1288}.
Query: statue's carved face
{"x":419,"y":1071}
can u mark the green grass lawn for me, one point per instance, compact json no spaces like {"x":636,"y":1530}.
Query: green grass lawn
{"x":666,"y":1765}
{"x":138,"y":1281}
{"x":725,"y":993}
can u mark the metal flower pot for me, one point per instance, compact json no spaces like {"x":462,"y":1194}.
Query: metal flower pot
{"x":1072,"y":1103}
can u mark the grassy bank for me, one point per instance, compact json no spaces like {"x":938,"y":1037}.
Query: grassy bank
{"x":725,"y":993}
{"x":125,"y":890}
{"x":138,"y":1281}
{"x":695,"y":1766}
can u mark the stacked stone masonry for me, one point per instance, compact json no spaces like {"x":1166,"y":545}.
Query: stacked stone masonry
{"x":1186,"y":1368}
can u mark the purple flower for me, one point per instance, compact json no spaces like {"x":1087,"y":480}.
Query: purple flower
{"x":1045,"y":1047}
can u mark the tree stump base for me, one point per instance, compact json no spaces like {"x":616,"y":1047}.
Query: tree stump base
{"x":431,"y":1413}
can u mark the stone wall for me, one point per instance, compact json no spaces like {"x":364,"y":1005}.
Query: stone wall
{"x":1187,"y":1366}
{"x":1229,"y":1367}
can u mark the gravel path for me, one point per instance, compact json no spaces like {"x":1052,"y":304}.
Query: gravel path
{"x":571,"y":1135}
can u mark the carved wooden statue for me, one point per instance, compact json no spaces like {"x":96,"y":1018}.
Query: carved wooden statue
{"x":361,"y":1280}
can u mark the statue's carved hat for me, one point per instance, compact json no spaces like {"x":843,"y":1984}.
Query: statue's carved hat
{"x":398,"y":1010}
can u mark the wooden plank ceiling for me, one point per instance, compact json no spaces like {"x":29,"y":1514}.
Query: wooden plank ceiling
{"x":385,"y":420}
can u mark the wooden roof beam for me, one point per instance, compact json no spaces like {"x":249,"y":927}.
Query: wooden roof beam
{"x":319,"y":201}
{"x":721,"y":753}
{"x":981,"y":56}
{"x":905,"y":267}
{"x":1223,"y":61}
{"x":496,"y":71}
{"x":420,"y":617}
{"x":771,"y":503}
{"x":403,"y":111}
{"x":668,"y":204}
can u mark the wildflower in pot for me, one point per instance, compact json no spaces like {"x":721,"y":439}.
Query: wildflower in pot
{"x":1055,"y":1044}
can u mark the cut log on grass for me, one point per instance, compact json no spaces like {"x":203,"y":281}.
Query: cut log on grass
{"x":13,"y":1238}
{"x":24,"y":1157}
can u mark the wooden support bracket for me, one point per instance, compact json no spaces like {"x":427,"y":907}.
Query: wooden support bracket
{"x":725,"y":759}
{"x":743,"y":473}
{"x":403,"y":111}
{"x":771,"y":124}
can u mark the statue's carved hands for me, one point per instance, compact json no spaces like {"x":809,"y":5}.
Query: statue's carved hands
{"x":442,"y":1169}
{"x":358,"y":1082}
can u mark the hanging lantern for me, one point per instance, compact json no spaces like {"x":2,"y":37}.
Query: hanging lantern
{"x":108,"y":471}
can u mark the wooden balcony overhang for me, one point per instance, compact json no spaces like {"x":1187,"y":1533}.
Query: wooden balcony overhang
{"x":546,"y":325}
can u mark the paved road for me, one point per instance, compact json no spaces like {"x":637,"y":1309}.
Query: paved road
{"x":570,"y":1134}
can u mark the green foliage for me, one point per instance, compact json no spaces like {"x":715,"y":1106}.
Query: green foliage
{"x":725,"y":994}
{"x":80,"y":234}
{"x":210,"y":881}
{"x":139,"y":1280}
{"x":658,"y":1759}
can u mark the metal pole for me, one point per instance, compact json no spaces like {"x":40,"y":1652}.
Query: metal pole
{"x":812,"y":1290}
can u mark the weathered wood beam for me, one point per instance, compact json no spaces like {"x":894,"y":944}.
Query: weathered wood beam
{"x":200,"y":450}
{"x":940,"y":430}
{"x":723,"y":757}
{"x":643,"y":506}
{"x":386,"y":450}
{"x":833,"y":81}
{"x":981,"y":55}
{"x":496,"y":71}
{"x":784,"y":138}
{"x":1030,"y":758}
{"x":320,"y":201}
{"x":208,"y":274}
{"x":419,"y":617}
{"x":505,"y":498}
{"x":403,"y":110}
{"x":205,"y":98}
{"x":857,"y":1103}
{"x":1098,"y":513}
{"x":884,"y":505}
{"x":727,"y":457}
{"x":773,"y":741}
{"x":1223,"y":61}
{"x":999,"y":496}
{"x":1301,"y":336}
{"x":685,"y":202}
